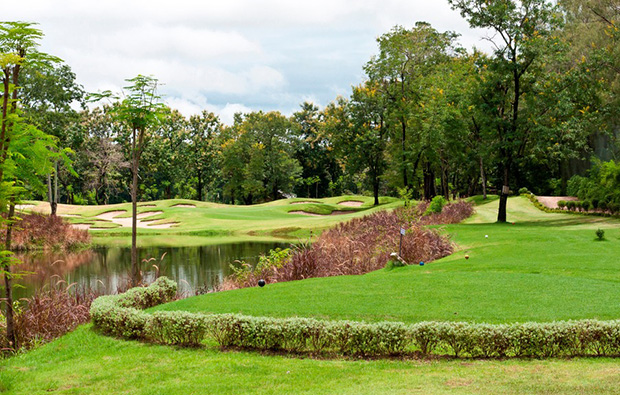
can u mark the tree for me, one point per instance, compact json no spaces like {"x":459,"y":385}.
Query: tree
{"x":24,"y":150}
{"x":523,"y":33}
{"x":201,"y":149}
{"x":47,"y":96}
{"x":140,"y":111}
{"x":359,"y":134}
{"x":400,"y":71}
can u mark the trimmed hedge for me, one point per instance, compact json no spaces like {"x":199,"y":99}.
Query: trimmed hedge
{"x":119,"y":315}
{"x":572,"y":207}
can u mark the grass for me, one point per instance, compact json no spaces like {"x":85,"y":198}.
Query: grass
{"x":269,"y":220}
{"x":544,"y":267}
{"x":521,"y":272}
{"x":84,"y":362}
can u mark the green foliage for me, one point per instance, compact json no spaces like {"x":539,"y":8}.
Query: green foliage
{"x":122,"y":316}
{"x":436,"y":205}
{"x":119,"y":315}
{"x":524,"y":191}
{"x":600,"y":234}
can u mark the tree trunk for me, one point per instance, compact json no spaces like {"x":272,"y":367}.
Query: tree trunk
{"x":8,"y":286}
{"x":375,"y":190}
{"x":403,"y":148}
{"x":199,"y":186}
{"x":429,"y":182}
{"x":503,"y":198}
{"x":483,"y":179}
{"x":135,"y":269}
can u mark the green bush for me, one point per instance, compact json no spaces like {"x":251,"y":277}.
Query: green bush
{"x":177,"y":328}
{"x":561,"y":204}
{"x":600,"y":234}
{"x":436,"y":205}
{"x":116,"y":316}
{"x":571,"y":204}
{"x":524,"y":191}
{"x":121,"y":315}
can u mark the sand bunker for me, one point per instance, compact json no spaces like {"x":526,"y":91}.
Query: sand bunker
{"x":81,"y":226}
{"x":24,"y":206}
{"x":69,"y":215}
{"x":305,"y":202}
{"x":184,"y":205}
{"x":552,"y":201}
{"x":351,"y":203}
{"x":335,"y":212}
{"x":126,"y":222}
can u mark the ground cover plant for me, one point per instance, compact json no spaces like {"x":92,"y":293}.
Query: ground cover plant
{"x":359,"y":246}
{"x":519,"y":273}
{"x":36,"y":231}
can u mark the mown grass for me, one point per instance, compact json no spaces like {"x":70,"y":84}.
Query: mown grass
{"x":522,"y":272}
{"x":85,"y":362}
{"x":544,"y":267}
{"x":219,"y":220}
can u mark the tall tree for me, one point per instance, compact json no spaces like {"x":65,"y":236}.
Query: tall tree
{"x":18,"y":49}
{"x":400,"y":71}
{"x":47,"y":98}
{"x":140,"y":110}
{"x":523,"y":32}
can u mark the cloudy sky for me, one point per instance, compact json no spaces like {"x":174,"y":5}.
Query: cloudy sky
{"x":228,"y":56}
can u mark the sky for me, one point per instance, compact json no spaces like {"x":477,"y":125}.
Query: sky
{"x":229,"y":56}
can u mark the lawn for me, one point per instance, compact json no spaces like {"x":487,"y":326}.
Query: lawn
{"x":197,"y":221}
{"x":544,"y":267}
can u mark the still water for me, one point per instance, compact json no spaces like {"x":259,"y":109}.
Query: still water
{"x":105,"y":269}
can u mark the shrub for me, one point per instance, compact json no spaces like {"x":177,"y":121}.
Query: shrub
{"x":121,"y":315}
{"x":177,"y":327}
{"x":586,"y":205}
{"x":562,"y":204}
{"x":571,"y":204}
{"x":524,"y":191}
{"x":600,"y":234}
{"x":38,"y":231}
{"x":530,"y":339}
{"x":359,"y":246}
{"x":436,"y":205}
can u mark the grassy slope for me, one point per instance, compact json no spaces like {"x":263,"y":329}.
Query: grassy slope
{"x":545,"y":267}
{"x":211,"y":219}
{"x":539,"y":271}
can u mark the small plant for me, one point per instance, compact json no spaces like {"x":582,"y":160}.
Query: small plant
{"x":436,"y":205}
{"x":561,"y":204}
{"x":406,"y":194}
{"x":600,"y":234}
{"x":524,"y":191}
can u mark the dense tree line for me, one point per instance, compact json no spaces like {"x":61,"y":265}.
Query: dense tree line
{"x":430,"y":118}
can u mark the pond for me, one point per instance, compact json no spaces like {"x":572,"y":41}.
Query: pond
{"x":107,"y":269}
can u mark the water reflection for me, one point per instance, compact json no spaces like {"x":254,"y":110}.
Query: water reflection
{"x":107,"y":269}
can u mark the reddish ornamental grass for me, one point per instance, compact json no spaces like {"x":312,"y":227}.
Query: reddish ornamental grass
{"x":363,"y":245}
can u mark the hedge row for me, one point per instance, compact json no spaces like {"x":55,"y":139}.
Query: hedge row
{"x":546,"y":209}
{"x":117,"y":316}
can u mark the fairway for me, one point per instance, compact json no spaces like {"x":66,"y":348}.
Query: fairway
{"x":544,"y":267}
{"x":187,"y":220}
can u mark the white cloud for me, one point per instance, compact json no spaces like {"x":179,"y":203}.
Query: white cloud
{"x":231,"y":55}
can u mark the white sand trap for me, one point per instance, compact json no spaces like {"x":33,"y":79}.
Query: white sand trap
{"x":184,"y":205}
{"x":126,"y":222}
{"x":351,"y":203}
{"x":24,"y":206}
{"x":305,"y":213}
{"x":69,"y":215}
{"x":552,"y":201}
{"x":161,"y":226}
{"x":110,"y":215}
{"x":305,"y":202}
{"x":336,"y":212}
{"x":81,"y":226}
